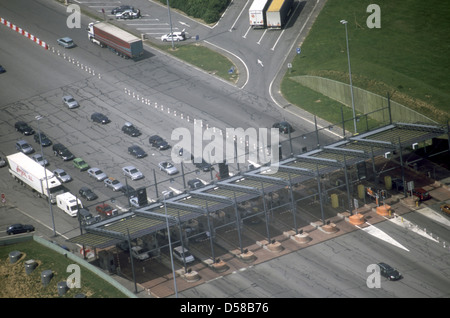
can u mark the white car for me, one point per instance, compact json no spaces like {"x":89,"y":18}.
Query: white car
{"x":132,"y":172}
{"x":62,"y":175}
{"x":70,"y":102}
{"x":39,"y":159}
{"x":183,"y":254}
{"x":113,"y":184}
{"x":97,"y":174}
{"x":176,"y":36}
{"x":140,"y":253}
{"x":168,"y":167}
{"x":129,"y":14}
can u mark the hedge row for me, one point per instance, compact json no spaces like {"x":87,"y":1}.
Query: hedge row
{"x":206,"y":10}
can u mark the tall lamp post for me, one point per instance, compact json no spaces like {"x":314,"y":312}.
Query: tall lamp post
{"x":170,"y":22}
{"x":344,"y":22}
{"x":38,"y":118}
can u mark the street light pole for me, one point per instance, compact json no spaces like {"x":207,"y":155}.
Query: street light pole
{"x":344,"y":22}
{"x":170,"y":22}
{"x":38,"y":118}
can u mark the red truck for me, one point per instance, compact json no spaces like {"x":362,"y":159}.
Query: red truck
{"x":121,"y":42}
{"x":105,"y":210}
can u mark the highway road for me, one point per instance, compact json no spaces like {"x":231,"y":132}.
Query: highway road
{"x":147,"y":93}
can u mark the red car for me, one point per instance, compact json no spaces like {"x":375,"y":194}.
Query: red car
{"x":105,"y":210}
{"x":422,"y":194}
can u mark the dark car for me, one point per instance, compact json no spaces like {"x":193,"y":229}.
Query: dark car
{"x":137,"y":151}
{"x":87,"y":193}
{"x":2,"y":69}
{"x":201,"y":164}
{"x":195,"y":184}
{"x":61,"y":151}
{"x":129,"y":191}
{"x":121,"y":8}
{"x":23,"y":128}
{"x":19,"y":228}
{"x":100,"y":118}
{"x":389,"y":272}
{"x":42,"y":139}
{"x":158,"y":142}
{"x":131,"y":130}
{"x":284,"y":127}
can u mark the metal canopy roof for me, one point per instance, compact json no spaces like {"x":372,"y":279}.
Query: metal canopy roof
{"x":252,"y":184}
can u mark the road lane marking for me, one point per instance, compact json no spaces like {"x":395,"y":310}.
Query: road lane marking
{"x":374,"y":231}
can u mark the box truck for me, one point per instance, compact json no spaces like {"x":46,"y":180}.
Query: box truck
{"x":119,"y":41}
{"x":278,"y":12}
{"x":257,"y":13}
{"x":29,"y":173}
{"x":69,"y":203}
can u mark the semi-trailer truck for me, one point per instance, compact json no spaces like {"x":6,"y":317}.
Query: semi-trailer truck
{"x":119,"y":41}
{"x":257,"y":13}
{"x":278,"y":12}
{"x":31,"y":174}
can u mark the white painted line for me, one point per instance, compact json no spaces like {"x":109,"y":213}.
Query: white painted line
{"x":435,"y":216}
{"x":374,"y":231}
{"x":400,"y":221}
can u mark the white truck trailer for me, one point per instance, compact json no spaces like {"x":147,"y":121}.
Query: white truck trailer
{"x":69,"y":203}
{"x":278,"y":13}
{"x":257,"y":13}
{"x":29,"y":173}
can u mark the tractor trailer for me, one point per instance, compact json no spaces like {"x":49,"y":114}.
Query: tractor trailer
{"x":119,"y":41}
{"x":278,"y":12}
{"x":29,"y":173}
{"x":257,"y":13}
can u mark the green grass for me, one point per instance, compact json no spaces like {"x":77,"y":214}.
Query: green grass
{"x":202,"y":57}
{"x":14,"y":283}
{"x":407,"y":57}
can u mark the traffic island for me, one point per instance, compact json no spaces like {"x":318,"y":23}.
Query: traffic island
{"x":301,"y":237}
{"x":273,"y":246}
{"x":190,"y":276}
{"x":247,"y":256}
{"x":217,"y":266}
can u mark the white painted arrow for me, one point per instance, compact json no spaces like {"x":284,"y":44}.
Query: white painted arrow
{"x":374,"y":231}
{"x":260,"y":63}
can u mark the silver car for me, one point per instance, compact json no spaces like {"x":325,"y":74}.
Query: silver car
{"x":70,"y":102}
{"x":97,"y":174}
{"x":62,"y":175}
{"x":132,"y":172}
{"x":24,"y":146}
{"x":168,"y":167}
{"x":113,"y":184}
{"x":66,"y":42}
{"x":39,"y":159}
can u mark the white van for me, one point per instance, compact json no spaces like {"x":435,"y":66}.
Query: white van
{"x":179,"y":253}
{"x":69,"y":203}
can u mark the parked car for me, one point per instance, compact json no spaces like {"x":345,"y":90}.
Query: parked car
{"x":19,"y":228}
{"x":2,"y":69}
{"x":80,"y":164}
{"x":62,"y":175}
{"x":389,"y":272}
{"x":24,"y":146}
{"x":112,"y":183}
{"x":176,"y":36}
{"x":129,"y":14}
{"x":128,"y":190}
{"x":87,"y":193}
{"x":158,"y":142}
{"x":284,"y":127}
{"x":132,"y":172}
{"x":61,"y":151}
{"x":445,"y":208}
{"x":100,"y":118}
{"x":70,"y":102}
{"x":66,"y":42}
{"x":121,"y":8}
{"x":40,"y":160}
{"x":130,"y":129}
{"x":105,"y":210}
{"x":183,"y":254}
{"x":202,"y":164}
{"x":137,"y":151}
{"x":140,"y":253}
{"x":168,"y":167}
{"x":42,"y":139}
{"x":97,"y":174}
{"x":23,"y":128}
